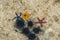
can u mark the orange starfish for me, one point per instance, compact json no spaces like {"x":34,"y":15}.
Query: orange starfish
{"x":41,"y":21}
{"x":25,"y":15}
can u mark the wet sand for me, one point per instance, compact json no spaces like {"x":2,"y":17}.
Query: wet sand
{"x":50,"y":9}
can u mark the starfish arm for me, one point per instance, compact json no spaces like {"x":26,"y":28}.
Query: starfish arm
{"x":16,"y":14}
{"x":20,"y":13}
{"x":41,"y":25}
{"x":14,"y":18}
{"x":38,"y":19}
{"x":43,"y":18}
{"x":36,"y":22}
{"x":44,"y":22}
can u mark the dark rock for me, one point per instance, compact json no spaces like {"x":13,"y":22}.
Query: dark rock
{"x":19,"y":23}
{"x":30,"y":23}
{"x":36,"y":30}
{"x":31,"y":36}
{"x":26,"y":31}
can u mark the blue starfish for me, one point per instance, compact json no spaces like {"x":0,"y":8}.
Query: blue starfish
{"x":19,"y":21}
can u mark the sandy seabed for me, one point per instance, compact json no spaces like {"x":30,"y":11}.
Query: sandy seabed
{"x":50,"y":9}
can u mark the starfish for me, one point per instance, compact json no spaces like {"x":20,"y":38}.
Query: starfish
{"x":41,"y":21}
{"x":20,"y":23}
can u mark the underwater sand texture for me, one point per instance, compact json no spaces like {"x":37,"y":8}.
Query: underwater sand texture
{"x":50,"y":9}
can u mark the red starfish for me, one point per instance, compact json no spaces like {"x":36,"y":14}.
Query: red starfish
{"x":41,"y":21}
